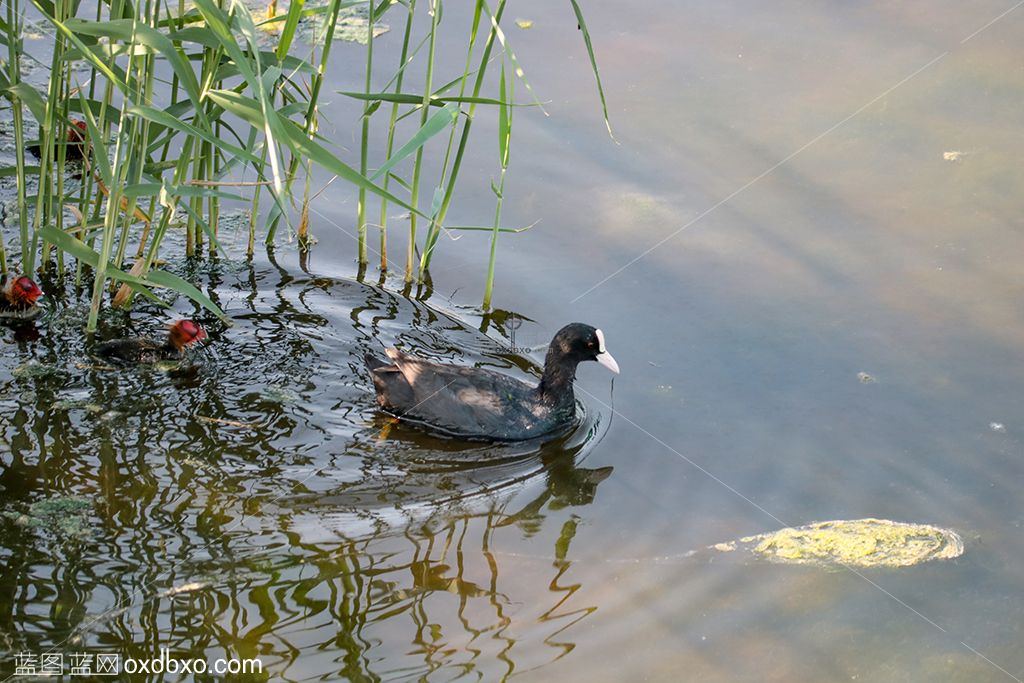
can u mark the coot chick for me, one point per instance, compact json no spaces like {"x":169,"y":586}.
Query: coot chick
{"x":141,"y":350}
{"x":481,"y":404}
{"x":75,"y":148}
{"x":18,"y":299}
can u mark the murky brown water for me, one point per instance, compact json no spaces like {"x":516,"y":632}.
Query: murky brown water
{"x":828,"y":326}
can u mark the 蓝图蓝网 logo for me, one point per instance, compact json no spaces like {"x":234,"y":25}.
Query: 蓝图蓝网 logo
{"x":98,"y":664}
{"x":69,"y":664}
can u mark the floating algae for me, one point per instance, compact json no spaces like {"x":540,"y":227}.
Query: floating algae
{"x":857,"y":543}
{"x":66,"y":516}
{"x":278,"y":394}
{"x":66,"y":404}
{"x":32,"y":369}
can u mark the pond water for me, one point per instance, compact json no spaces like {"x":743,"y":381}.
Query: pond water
{"x":804,"y":255}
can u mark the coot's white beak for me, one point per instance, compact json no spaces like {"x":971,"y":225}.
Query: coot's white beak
{"x":606,"y":360}
{"x":603,"y":357}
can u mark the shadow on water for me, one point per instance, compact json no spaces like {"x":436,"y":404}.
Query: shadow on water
{"x":254,"y":501}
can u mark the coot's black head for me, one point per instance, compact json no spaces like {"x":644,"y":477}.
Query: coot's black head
{"x":577,"y":342}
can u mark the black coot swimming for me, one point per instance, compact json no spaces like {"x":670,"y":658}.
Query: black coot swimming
{"x":482,"y":404}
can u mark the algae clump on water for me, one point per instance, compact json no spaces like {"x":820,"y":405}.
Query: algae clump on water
{"x":65,"y":516}
{"x":858,"y":543}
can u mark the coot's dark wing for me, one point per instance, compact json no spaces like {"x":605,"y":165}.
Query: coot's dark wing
{"x":133,"y":351}
{"x":457,"y":400}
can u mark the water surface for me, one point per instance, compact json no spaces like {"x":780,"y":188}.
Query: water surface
{"x":822,"y":321}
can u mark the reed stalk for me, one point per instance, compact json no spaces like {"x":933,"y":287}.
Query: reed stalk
{"x":119,"y":171}
{"x":316,"y":83}
{"x":14,"y":43}
{"x":392,"y":120}
{"x":48,"y":137}
{"x":424,"y":113}
{"x":438,"y":220}
{"x":61,"y":150}
{"x":254,"y":209}
{"x":365,"y":137}
{"x":504,"y":143}
{"x":174,"y":159}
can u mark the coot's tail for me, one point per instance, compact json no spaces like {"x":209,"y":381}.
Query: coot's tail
{"x":393,"y":390}
{"x":372,"y":362}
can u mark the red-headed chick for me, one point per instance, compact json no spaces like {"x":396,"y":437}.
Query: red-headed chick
{"x":19,"y":295}
{"x":136,"y":350}
{"x":76,"y":142}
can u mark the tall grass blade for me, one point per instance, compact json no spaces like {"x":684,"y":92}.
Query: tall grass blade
{"x":248,"y":109}
{"x":593,"y":64}
{"x":31,"y":98}
{"x":365,"y":139}
{"x":435,"y":17}
{"x":437,"y":123}
{"x":291,"y":25}
{"x":467,"y":125}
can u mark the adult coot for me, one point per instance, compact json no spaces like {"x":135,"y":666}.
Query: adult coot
{"x":482,"y":404}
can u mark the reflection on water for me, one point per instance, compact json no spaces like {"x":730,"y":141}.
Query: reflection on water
{"x":254,"y":501}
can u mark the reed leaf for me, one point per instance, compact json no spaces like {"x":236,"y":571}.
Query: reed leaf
{"x":593,"y":64}
{"x":84,"y":253}
{"x":247,"y":108}
{"x":291,"y":24}
{"x":489,"y":228}
{"x":417,"y":99}
{"x":141,"y":285}
{"x":440,"y":121}
{"x":167,"y":120}
{"x":517,"y":69}
{"x":153,"y":189}
{"x":31,"y":99}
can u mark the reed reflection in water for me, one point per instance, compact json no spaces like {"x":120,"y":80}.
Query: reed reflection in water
{"x":254,"y":503}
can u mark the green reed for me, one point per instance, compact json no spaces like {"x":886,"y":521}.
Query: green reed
{"x":365,"y":137}
{"x":14,"y":85}
{"x":435,"y":16}
{"x":504,"y":142}
{"x":180,"y":101}
{"x":457,"y":122}
{"x":398,"y":79}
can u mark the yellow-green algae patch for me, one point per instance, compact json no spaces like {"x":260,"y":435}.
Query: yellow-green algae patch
{"x":859,"y":543}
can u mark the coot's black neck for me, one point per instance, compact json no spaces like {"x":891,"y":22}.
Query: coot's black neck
{"x":559,"y":372}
